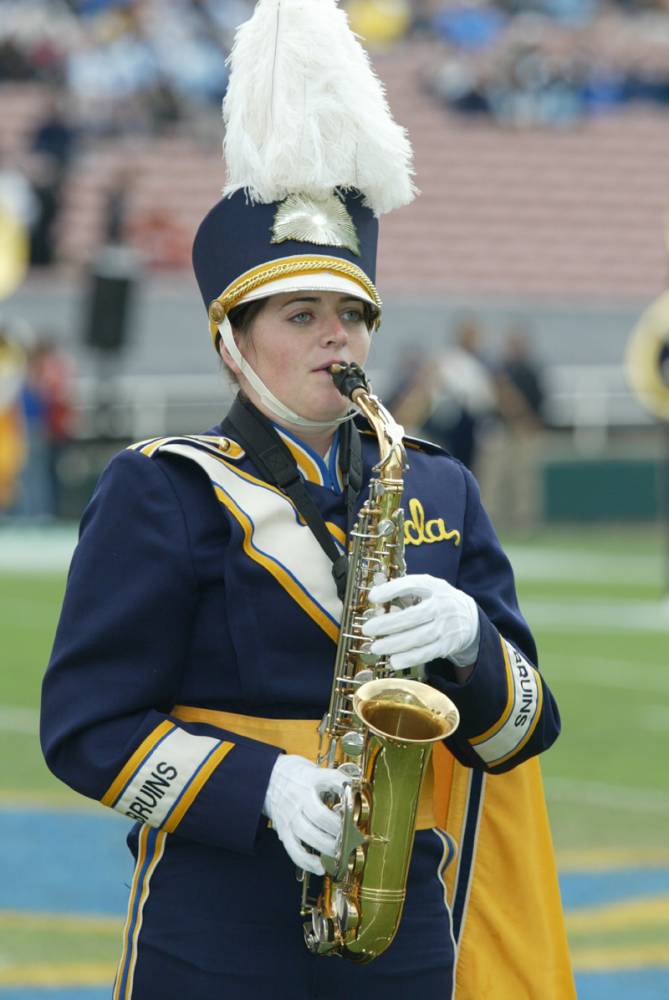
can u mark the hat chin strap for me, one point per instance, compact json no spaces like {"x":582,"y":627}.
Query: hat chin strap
{"x":269,"y":400}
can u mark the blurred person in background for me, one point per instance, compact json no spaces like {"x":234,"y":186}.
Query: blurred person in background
{"x":409,"y":398}
{"x":52,"y":146}
{"x":12,"y":427}
{"x":46,"y":401}
{"x":54,"y":136}
{"x":511,"y":447}
{"x":463,"y":394}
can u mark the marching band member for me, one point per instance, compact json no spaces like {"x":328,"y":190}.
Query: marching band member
{"x":195,"y":649}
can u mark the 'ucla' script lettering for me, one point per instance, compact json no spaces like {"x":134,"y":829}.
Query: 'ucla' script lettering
{"x":418,"y":531}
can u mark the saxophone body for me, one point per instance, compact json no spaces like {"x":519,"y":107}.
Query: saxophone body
{"x":378,"y":729}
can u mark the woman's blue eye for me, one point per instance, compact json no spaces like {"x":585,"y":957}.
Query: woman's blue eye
{"x":354,"y":316}
{"x":300,"y":317}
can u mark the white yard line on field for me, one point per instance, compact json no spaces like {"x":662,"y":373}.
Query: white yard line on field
{"x":626,"y":676}
{"x":36,"y":550}
{"x":39,"y":549}
{"x":19,"y":720}
{"x":619,"y":616}
{"x":601,"y":793}
{"x":531,"y":563}
{"x":654,"y":718}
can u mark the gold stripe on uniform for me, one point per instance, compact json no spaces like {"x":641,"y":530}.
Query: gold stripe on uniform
{"x":195,"y":786}
{"x":142,"y":751}
{"x":304,"y":461}
{"x":299,"y":736}
{"x":532,"y":727}
{"x":272,"y":566}
{"x":144,"y":889}
{"x":510,"y":701}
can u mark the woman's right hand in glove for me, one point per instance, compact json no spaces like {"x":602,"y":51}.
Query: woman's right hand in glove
{"x":294,"y":804}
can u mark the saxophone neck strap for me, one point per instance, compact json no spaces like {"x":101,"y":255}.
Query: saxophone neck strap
{"x":351,"y":466}
{"x":256,"y":434}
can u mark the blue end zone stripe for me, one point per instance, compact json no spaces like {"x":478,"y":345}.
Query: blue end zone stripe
{"x":467,"y":851}
{"x":140,"y":766}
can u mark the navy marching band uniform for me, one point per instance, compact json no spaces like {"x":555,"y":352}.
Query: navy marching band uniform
{"x":197,"y":642}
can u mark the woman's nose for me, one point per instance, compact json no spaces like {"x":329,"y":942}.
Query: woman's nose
{"x":335,"y":332}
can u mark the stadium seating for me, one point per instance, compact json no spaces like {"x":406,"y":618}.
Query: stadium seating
{"x":562,"y":213}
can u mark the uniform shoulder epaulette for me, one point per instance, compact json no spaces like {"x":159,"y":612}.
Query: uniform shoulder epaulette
{"x":416,"y":444}
{"x":419,"y":444}
{"x":213,"y":444}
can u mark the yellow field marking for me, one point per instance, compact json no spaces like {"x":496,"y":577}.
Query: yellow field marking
{"x":63,"y":922}
{"x":603,"y":859}
{"x":617,"y":959}
{"x":49,"y":974}
{"x":645,"y":911}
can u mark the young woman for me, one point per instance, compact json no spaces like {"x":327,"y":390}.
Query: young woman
{"x":194,"y":656}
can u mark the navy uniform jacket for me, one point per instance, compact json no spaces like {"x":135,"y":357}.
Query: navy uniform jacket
{"x":199,"y":587}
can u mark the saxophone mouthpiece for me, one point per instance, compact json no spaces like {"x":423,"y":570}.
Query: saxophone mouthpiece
{"x":349,"y":378}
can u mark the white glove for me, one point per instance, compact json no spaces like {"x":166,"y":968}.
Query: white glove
{"x":300,"y":817}
{"x":443,"y":624}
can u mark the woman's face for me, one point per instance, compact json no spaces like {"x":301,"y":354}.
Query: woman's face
{"x":292,"y":342}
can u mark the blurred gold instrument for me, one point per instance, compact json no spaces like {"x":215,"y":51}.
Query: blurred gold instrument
{"x":13,"y":252}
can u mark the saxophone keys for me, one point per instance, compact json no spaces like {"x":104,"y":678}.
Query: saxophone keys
{"x":321,"y":935}
{"x":353,"y":743}
{"x":366,"y":656}
{"x":356,"y":862}
{"x":347,"y":912}
{"x":350,"y":770}
{"x":363,"y":676}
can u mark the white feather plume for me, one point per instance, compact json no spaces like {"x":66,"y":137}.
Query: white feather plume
{"x":305,"y":112}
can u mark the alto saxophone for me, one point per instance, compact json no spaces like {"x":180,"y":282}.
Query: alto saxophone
{"x":378,"y":729}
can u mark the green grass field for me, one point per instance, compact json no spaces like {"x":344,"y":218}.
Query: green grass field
{"x":595,"y":600}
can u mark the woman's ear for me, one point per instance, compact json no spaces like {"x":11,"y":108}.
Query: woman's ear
{"x":226,"y":357}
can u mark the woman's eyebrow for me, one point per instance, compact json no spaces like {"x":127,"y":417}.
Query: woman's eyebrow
{"x":301,"y":298}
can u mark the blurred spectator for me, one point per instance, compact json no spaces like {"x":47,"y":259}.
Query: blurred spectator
{"x":469,"y":25}
{"x":553,"y":66}
{"x":520,"y":384}
{"x":410,"y":398}
{"x":117,"y":205}
{"x":48,"y":417}
{"x":54,"y":135}
{"x":34,"y":36}
{"x":510,"y":470}
{"x":12,"y":430}
{"x":47,"y":185}
{"x":463,"y":396}
{"x":30,"y":191}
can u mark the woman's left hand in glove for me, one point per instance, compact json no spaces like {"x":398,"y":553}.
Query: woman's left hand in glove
{"x":442,"y":624}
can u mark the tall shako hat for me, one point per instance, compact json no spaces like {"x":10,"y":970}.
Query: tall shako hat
{"x":313,"y":157}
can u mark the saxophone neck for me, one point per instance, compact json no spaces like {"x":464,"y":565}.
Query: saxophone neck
{"x":352,"y":382}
